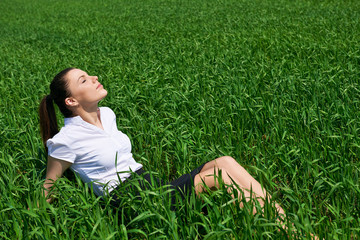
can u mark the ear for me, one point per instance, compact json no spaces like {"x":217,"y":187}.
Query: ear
{"x":71,"y":102}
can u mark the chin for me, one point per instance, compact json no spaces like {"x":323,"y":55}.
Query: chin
{"x":105,"y":93}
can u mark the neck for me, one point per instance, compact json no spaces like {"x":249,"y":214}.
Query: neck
{"x":90,"y":115}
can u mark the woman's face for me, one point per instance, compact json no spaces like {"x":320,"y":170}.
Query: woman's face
{"x":85,"y":90}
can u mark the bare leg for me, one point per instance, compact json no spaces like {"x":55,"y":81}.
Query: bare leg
{"x":231,"y":171}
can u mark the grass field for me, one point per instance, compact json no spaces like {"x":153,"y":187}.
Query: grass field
{"x":275,"y":84}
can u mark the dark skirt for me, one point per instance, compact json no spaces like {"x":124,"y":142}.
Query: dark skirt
{"x":182,"y":185}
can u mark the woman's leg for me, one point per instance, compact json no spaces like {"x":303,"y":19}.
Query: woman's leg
{"x":231,"y":171}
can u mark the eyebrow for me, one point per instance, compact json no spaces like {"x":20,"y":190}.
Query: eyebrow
{"x":80,"y":77}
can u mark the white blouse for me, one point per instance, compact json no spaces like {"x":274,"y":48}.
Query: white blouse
{"x":99,"y":156}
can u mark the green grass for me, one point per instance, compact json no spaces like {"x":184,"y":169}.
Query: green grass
{"x":275,"y":84}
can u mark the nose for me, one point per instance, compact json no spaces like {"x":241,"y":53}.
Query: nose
{"x":95,"y":78}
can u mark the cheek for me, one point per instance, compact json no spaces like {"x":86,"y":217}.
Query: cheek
{"x":82,"y":94}
{"x":89,"y":95}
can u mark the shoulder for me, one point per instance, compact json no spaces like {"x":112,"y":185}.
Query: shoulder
{"x":60,"y":137}
{"x":59,"y":146}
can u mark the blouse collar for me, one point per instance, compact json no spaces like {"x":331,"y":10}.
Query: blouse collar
{"x":77,"y":120}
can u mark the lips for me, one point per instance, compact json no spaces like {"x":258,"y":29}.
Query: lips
{"x":99,"y":86}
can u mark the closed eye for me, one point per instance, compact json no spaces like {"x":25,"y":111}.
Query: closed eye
{"x":83,"y":81}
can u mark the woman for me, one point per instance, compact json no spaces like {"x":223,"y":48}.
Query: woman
{"x":92,"y":146}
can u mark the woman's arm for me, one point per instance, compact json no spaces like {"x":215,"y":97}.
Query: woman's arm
{"x":55,"y":169}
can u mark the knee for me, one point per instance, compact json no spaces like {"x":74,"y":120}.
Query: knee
{"x":226,"y":161}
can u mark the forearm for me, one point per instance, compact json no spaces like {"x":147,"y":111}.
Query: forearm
{"x":47,"y":190}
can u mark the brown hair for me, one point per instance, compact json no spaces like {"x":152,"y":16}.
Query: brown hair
{"x":58,"y":93}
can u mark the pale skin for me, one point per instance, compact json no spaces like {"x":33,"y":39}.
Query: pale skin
{"x":86,"y":92}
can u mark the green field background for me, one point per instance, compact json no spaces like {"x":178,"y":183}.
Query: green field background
{"x":275,"y":84}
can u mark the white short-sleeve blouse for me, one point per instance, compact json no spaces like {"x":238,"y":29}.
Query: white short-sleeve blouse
{"x":99,"y":156}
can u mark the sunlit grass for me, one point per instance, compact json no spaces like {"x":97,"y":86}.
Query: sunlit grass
{"x":275,"y":84}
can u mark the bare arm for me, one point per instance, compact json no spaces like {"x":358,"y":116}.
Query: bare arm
{"x":55,"y":169}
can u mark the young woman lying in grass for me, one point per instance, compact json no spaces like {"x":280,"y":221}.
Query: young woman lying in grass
{"x":92,"y":146}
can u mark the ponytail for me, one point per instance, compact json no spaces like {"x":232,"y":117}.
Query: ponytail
{"x":48,"y":121}
{"x":58,"y":93}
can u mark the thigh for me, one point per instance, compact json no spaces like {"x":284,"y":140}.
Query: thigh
{"x":185,"y":182}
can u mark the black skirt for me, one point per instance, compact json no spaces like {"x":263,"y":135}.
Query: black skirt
{"x":182,"y":185}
